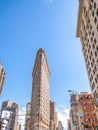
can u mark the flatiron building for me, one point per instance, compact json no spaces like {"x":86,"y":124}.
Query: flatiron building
{"x":40,"y":99}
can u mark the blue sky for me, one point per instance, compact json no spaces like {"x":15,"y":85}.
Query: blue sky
{"x":26,"y":26}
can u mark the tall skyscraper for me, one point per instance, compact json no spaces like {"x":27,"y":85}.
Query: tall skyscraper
{"x":87,"y":31}
{"x":40,"y":100}
{"x":9,"y":112}
{"x":2,"y":77}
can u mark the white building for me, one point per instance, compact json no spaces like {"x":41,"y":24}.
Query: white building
{"x":10,"y":112}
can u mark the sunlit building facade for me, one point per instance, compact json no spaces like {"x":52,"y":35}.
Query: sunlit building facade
{"x":9,"y":115}
{"x":88,"y":120}
{"x":87,"y":31}
{"x":40,"y":100}
{"x":82,"y":112}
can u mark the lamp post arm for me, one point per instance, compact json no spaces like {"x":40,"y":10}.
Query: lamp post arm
{"x":73,"y":91}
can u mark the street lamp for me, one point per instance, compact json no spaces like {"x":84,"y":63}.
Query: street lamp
{"x":72,"y":91}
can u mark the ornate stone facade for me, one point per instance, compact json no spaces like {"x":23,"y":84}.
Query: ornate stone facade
{"x":40,"y":100}
{"x":87,"y":31}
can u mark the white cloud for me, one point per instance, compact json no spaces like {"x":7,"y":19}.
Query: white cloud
{"x":63,"y":115}
{"x":21,"y":118}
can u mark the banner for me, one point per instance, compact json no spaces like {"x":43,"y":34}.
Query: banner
{"x":6,"y":114}
{"x":80,"y":110}
{"x":28,"y":110}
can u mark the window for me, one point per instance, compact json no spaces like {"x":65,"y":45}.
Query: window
{"x":90,"y":57}
{"x":97,"y":12}
{"x":88,"y":119}
{"x":97,"y":27}
{"x":92,"y":33}
{"x":93,"y":46}
{"x":95,"y":20}
{"x":93,"y":71}
{"x":89,"y":32}
{"x":94,"y":40}
{"x":95,"y":92}
{"x":97,"y":49}
{"x":91,"y":52}
{"x":84,"y":27}
{"x":95,"y":53}
{"x":96,"y":80}
{"x":87,"y":44}
{"x":88,"y":20}
{"x":91,"y":64}
{"x":90,"y":27}
{"x":93,"y":13}
{"x":93,"y":60}
{"x":91,"y":78}
{"x":93,"y":86}
{"x":94,"y":5}
{"x":88,"y":50}
{"x":97,"y":77}
{"x":91,"y":39}
{"x":95,"y":68}
{"x":89,"y":47}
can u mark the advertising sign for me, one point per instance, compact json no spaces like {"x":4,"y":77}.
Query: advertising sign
{"x":28,"y":111}
{"x":6,"y":114}
{"x":80,"y":110}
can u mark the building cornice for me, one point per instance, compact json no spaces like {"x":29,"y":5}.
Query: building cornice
{"x":40,"y":51}
{"x":80,"y":12}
